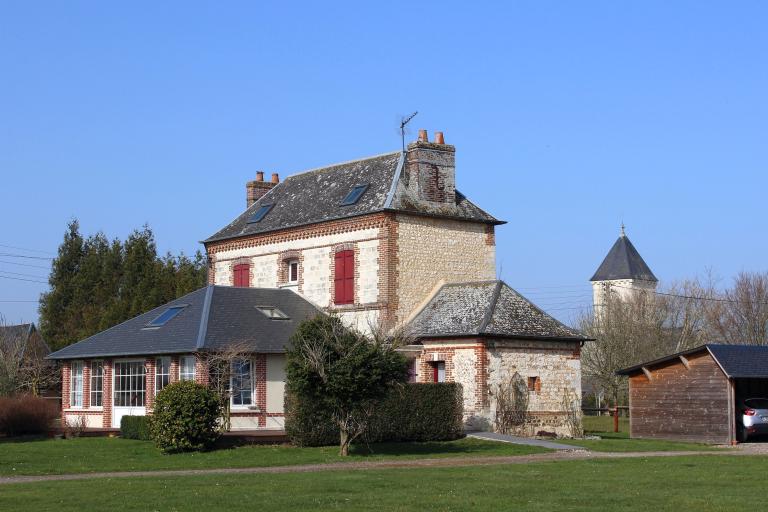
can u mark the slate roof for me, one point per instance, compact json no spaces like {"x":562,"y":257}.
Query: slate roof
{"x":486,"y":308}
{"x":623,"y":262}
{"x":737,"y":361}
{"x":315,"y":196}
{"x":213,"y":316}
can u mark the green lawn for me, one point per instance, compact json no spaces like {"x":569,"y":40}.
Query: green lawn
{"x":620,"y":442}
{"x":597,"y":424}
{"x":682,"y":483}
{"x":93,"y":454}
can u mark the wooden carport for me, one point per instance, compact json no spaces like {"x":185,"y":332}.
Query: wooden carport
{"x":694,"y":395}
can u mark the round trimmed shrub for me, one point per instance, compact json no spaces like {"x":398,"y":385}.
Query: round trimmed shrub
{"x":185,"y":417}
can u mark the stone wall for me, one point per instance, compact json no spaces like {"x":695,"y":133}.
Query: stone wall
{"x":622,"y":289}
{"x":314,"y":248}
{"x":430,"y":250}
{"x":480,"y":366}
{"x":556,"y":365}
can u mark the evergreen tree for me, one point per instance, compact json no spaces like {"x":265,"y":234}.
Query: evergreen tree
{"x":59,"y":320}
{"x":96,"y":284}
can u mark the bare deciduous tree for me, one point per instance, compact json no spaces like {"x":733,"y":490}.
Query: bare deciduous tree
{"x":511,"y":406}
{"x":740,"y":316}
{"x":218,"y":364}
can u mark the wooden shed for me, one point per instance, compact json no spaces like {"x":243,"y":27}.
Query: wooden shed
{"x":695,"y":395}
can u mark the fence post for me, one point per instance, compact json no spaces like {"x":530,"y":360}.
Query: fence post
{"x":616,"y":418}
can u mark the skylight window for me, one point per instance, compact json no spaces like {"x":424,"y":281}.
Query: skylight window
{"x":260,"y":213}
{"x":166,"y":316}
{"x":273,"y":313}
{"x":354,"y":195}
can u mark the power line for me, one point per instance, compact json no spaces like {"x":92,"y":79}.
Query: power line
{"x":9,"y":300}
{"x":21,"y":279}
{"x":25,"y":265}
{"x":693,"y":297}
{"x":20,"y":274}
{"x":25,"y":249}
{"x":12,"y":255}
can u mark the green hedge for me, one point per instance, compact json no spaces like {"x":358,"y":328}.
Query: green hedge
{"x":134,"y":427}
{"x":412,"y":412}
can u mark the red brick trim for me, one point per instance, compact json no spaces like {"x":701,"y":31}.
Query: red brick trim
{"x":375,"y":220}
{"x":490,"y":236}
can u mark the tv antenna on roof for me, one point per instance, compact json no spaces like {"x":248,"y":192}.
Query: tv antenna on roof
{"x":404,"y":121}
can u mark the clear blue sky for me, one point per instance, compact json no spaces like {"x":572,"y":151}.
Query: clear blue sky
{"x":568,"y":117}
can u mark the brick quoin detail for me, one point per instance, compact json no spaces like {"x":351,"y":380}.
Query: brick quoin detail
{"x":107,"y":395}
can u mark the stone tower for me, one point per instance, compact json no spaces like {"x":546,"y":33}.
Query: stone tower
{"x":622,"y":272}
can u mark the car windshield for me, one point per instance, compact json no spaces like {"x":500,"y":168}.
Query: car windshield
{"x":756,"y":403}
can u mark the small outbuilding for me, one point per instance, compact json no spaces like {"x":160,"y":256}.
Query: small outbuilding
{"x":695,"y":395}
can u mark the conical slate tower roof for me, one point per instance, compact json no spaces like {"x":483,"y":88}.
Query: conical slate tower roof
{"x":623,"y":262}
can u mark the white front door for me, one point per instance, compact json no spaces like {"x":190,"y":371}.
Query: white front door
{"x":129,"y":390}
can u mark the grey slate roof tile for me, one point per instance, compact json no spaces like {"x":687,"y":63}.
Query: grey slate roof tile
{"x":742,"y":361}
{"x":316,"y":196}
{"x":623,"y":262}
{"x":213,"y":316}
{"x":489,"y":308}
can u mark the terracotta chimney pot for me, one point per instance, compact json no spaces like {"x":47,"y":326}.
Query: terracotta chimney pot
{"x":423,"y":137}
{"x":275,"y":178}
{"x":439,"y":138}
{"x":259,"y":175}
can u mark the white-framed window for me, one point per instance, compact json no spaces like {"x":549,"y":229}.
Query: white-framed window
{"x":162,"y":373}
{"x":97,"y":383}
{"x":187,"y":368}
{"x":129,"y":383}
{"x":293,"y":271}
{"x":241,"y":383}
{"x":76,"y":384}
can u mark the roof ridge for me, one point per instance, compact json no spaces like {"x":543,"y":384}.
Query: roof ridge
{"x":203,"y":331}
{"x":337,"y":164}
{"x":491,"y":307}
{"x":477,"y":281}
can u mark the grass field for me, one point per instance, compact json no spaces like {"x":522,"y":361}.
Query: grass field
{"x":92,"y":454}
{"x":681,"y":483}
{"x":598,"y":424}
{"x":620,"y":442}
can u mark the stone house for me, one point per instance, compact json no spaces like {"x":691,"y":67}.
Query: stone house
{"x":383,"y":242}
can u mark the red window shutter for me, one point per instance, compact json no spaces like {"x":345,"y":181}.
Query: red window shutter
{"x":344,"y":277}
{"x":242,"y":275}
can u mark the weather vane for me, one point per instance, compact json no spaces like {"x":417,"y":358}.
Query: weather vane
{"x":404,"y":121}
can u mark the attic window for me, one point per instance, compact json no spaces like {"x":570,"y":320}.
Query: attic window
{"x":260,"y":213}
{"x":354,"y":195}
{"x":273,"y":313}
{"x":165,"y":316}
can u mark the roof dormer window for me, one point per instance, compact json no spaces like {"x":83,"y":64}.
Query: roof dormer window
{"x":354,"y":195}
{"x":273,"y":313}
{"x":166,"y":316}
{"x":260,"y":213}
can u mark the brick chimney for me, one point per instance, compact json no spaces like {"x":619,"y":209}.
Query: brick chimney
{"x":258,"y":187}
{"x":431,"y":170}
